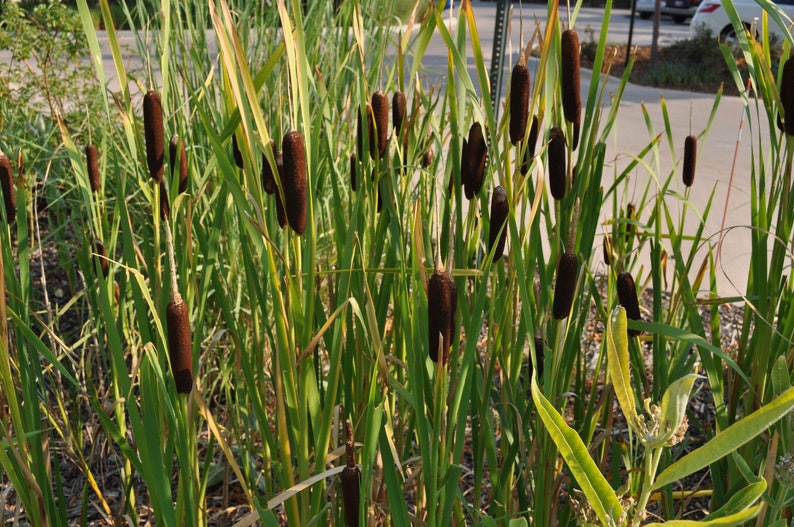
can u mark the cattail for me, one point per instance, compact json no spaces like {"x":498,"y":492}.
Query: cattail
{"x":294,"y":180}
{"x":153,"y":129}
{"x":177,"y":147}
{"x":571,"y":98}
{"x":627,"y":295}
{"x":629,"y":216}
{"x":268,"y":177}
{"x":607,"y":250}
{"x":179,"y":344}
{"x":499,"y":212}
{"x":557,"y":168}
{"x":519,"y":102}
{"x":475,"y":155}
{"x":567,"y":268}
{"x":428,"y":157}
{"x":442,"y":301}
{"x":165,"y":208}
{"x":353,"y":171}
{"x":690,"y":159}
{"x":351,"y":482}
{"x":92,"y":161}
{"x":100,"y":257}
{"x":380,"y":114}
{"x":787,"y":96}
{"x":238,"y":156}
{"x":280,"y":213}
{"x":398,"y":105}
{"x":576,"y":130}
{"x":7,"y":182}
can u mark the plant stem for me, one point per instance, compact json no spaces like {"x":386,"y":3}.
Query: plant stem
{"x":651,"y":464}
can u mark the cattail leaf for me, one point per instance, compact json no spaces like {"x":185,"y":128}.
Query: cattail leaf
{"x":294,"y":180}
{"x":619,"y":371}
{"x":519,"y":102}
{"x":153,"y":129}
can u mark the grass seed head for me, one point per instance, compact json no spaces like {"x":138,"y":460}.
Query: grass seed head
{"x":571,"y":97}
{"x":557,"y":166}
{"x":7,"y":182}
{"x":627,"y":296}
{"x":442,"y":300}
{"x":380,"y":113}
{"x":499,"y":212}
{"x":176,"y":147}
{"x":268,"y":177}
{"x":294,"y":180}
{"x":519,"y":102}
{"x":690,"y":159}
{"x":100,"y":257}
{"x":474,"y":158}
{"x":92,"y":162}
{"x":153,"y":130}
{"x":179,"y":344}
{"x":398,"y":105}
{"x":567,"y":269}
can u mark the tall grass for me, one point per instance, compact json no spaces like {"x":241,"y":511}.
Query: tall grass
{"x":297,"y":332}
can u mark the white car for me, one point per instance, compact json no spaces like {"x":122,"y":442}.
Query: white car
{"x":680,"y":10}
{"x":711,"y":15}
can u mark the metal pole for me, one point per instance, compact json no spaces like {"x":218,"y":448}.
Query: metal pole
{"x":498,"y":54}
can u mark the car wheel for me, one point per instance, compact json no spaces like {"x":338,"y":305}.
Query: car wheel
{"x":679,"y":19}
{"x":728,"y":35}
{"x":645,"y":15}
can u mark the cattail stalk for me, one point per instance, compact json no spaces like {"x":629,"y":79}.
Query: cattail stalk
{"x":294,"y":180}
{"x":519,"y":102}
{"x":7,"y":183}
{"x":153,"y":129}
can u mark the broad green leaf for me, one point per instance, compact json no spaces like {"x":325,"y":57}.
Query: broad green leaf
{"x":593,"y":484}
{"x":674,"y":403}
{"x":727,"y":521}
{"x":728,"y":440}
{"x":619,"y":371}
{"x":739,"y":501}
{"x":518,"y":522}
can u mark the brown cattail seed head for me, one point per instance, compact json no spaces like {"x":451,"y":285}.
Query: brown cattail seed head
{"x":153,"y":129}
{"x":557,"y":167}
{"x":176,"y":147}
{"x":179,"y":344}
{"x":294,"y":180}
{"x":442,"y":301}
{"x":353,"y":171}
{"x":428,"y":157}
{"x":690,"y":159}
{"x":607,"y":249}
{"x":571,"y":98}
{"x":380,"y":113}
{"x":627,"y":296}
{"x":629,"y":216}
{"x":268,"y":177}
{"x":787,"y":96}
{"x":499,"y":212}
{"x":100,"y":256}
{"x":519,"y":102}
{"x":398,"y":105}
{"x":238,"y":156}
{"x":351,"y":482}
{"x":567,"y":269}
{"x":474,"y":157}
{"x":92,"y":161}
{"x":7,"y":182}
{"x":540,"y":353}
{"x":280,"y":213}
